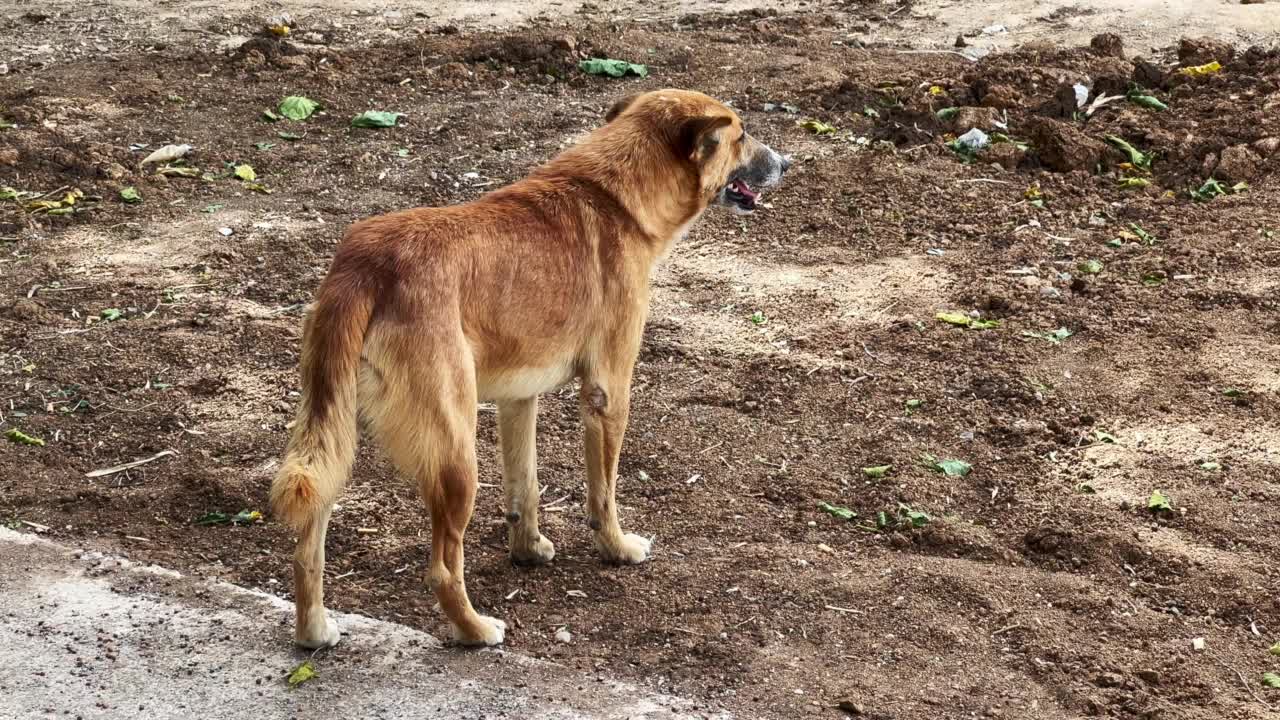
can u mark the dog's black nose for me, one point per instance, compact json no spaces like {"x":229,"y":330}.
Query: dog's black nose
{"x":786,"y":163}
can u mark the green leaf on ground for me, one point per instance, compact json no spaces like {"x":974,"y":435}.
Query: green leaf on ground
{"x":913,"y":405}
{"x":1103,"y":436}
{"x":1275,"y":649}
{"x":1091,"y":267}
{"x":877,"y":471}
{"x":296,"y":107}
{"x":1271,"y":680}
{"x":962,"y":320}
{"x":1131,"y":183}
{"x":843,"y":513}
{"x":210,"y":208}
{"x":130,"y":195}
{"x":1208,"y":191}
{"x":245,"y":172}
{"x":1143,"y":235}
{"x":1210,"y":466}
{"x":376,"y":119}
{"x":16,"y":435}
{"x":951,"y":468}
{"x":271,"y":116}
{"x":1158,"y":502}
{"x":1053,"y":336}
{"x":244,"y":517}
{"x":817,"y":127}
{"x":1150,"y":102}
{"x":1154,"y":280}
{"x":612,"y":68}
{"x":758,"y":318}
{"x":304,"y":672}
{"x":111,"y":314}
{"x":263,"y":146}
{"x":1138,"y":158}
{"x":947,"y":113}
{"x":286,"y":135}
{"x":914,"y":517}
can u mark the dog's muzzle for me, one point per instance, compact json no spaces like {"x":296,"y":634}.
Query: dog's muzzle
{"x":765,"y":170}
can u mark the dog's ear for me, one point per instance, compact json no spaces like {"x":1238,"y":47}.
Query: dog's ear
{"x":620,"y":107}
{"x":699,"y":136}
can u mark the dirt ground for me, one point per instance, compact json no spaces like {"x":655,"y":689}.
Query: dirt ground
{"x":786,"y":351}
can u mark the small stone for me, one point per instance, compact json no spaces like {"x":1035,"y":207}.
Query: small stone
{"x":1267,"y":147}
{"x":1109,"y":680}
{"x":563,"y":635}
{"x":1151,"y":677}
{"x":567,"y":43}
{"x":9,"y":156}
{"x":225,"y":231}
{"x":1197,"y":644}
{"x":1050,"y":292}
{"x":1238,"y":164}
{"x":968,"y":118}
{"x":851,"y":707}
{"x":960,"y":41}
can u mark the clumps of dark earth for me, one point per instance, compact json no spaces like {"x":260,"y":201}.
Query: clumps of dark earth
{"x":1135,"y":348}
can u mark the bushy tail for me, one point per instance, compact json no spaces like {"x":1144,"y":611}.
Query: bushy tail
{"x":323,"y":444}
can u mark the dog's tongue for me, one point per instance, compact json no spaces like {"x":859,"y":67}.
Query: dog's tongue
{"x":744,"y":189}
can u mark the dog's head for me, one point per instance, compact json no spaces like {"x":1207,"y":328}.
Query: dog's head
{"x":731,"y":166}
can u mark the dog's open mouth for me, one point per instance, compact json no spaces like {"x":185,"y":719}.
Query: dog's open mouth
{"x":741,"y":194}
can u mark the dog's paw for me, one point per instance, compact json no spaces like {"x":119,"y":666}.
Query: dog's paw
{"x":539,"y":552}
{"x":491,"y":632}
{"x":630,"y":550}
{"x":321,"y":633}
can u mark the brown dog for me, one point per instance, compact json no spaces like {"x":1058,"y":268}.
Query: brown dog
{"x":425,"y":312}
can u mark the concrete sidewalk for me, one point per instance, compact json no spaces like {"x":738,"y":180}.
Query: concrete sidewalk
{"x":88,"y":635}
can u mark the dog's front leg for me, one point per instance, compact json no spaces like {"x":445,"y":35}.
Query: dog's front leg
{"x":605,"y":401}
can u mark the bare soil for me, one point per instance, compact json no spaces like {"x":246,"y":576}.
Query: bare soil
{"x":786,"y":351}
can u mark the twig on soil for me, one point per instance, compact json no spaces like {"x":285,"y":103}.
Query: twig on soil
{"x":837,"y":608}
{"x":691,"y":632}
{"x":709,"y":449}
{"x":1011,"y":628}
{"x":985,"y":180}
{"x":41,"y":288}
{"x":35,"y":526}
{"x":129,"y":465}
{"x":553,"y":503}
{"x":1243,"y":681}
{"x":52,"y":192}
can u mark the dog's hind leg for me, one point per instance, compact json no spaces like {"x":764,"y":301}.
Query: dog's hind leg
{"x":425,"y":417}
{"x":517,"y":432}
